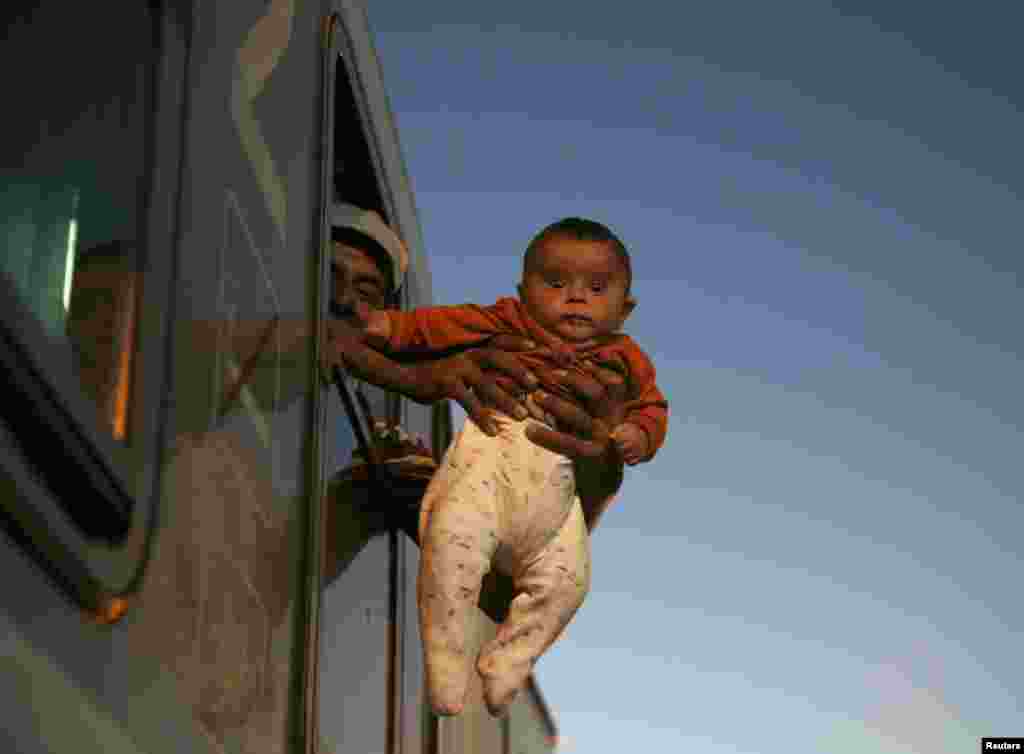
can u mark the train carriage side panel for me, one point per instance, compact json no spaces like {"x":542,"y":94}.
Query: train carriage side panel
{"x":212,"y":653}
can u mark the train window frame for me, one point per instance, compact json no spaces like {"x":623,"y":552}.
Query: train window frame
{"x":348,"y":101}
{"x":350,"y":78}
{"x":98,"y":565}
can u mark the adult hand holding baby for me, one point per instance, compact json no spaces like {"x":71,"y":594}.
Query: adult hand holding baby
{"x":592,"y":421}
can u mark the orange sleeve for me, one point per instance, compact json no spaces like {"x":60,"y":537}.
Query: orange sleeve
{"x":647,"y":408}
{"x":436,"y":328}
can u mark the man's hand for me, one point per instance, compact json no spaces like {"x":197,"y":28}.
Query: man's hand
{"x":590,"y":423}
{"x":601,"y":408}
{"x":345,"y":346}
{"x":468,"y":378}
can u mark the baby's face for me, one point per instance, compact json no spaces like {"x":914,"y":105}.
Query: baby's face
{"x":576,"y":289}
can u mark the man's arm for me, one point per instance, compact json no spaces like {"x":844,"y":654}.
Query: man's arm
{"x":466,"y":377}
{"x":598,"y":480}
{"x":599,"y":463}
{"x":434,"y":330}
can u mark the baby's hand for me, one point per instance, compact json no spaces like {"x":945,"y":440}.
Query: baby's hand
{"x":632,"y":443}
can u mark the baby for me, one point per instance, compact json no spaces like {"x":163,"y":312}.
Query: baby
{"x":503,"y":500}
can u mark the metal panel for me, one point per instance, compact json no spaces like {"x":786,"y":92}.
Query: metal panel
{"x":211,"y":656}
{"x":474,"y":731}
{"x":355,"y":646}
{"x":231,"y":591}
{"x":530,"y":727}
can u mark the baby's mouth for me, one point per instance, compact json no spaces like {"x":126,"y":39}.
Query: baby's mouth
{"x":577,"y":320}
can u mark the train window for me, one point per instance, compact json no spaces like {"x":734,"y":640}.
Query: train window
{"x":357,"y":624}
{"x":73,"y":189}
{"x":356,"y":181}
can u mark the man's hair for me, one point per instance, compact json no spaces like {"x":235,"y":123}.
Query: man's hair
{"x":580,"y":229}
{"x":359,"y":240}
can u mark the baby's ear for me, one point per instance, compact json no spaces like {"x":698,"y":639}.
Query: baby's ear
{"x":627,"y":308}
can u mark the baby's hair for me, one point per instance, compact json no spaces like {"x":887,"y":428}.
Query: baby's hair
{"x":580,"y":229}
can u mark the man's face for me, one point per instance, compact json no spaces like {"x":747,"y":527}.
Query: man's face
{"x":576,"y":289}
{"x":359,"y":284}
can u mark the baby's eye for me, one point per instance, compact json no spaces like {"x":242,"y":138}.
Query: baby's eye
{"x":555,"y":282}
{"x":598,"y":287}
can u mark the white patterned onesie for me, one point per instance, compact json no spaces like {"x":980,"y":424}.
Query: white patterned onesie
{"x":498,"y":502}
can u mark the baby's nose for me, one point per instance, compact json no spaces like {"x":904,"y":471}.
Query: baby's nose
{"x":577,"y":291}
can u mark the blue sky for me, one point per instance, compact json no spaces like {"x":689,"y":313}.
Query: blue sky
{"x":823,"y":203}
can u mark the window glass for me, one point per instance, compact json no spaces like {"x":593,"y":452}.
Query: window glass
{"x":356,"y":602}
{"x":73,"y":182}
{"x":356,"y":182}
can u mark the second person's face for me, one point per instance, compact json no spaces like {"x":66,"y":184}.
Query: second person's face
{"x":358,"y":284}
